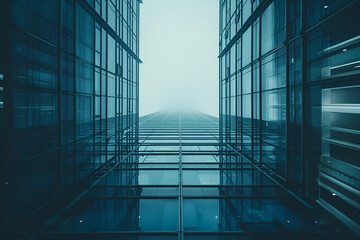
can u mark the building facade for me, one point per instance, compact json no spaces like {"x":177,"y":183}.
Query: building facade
{"x":68,"y":94}
{"x":180,"y":189}
{"x":289,"y":95}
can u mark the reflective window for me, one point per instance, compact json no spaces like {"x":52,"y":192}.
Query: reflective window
{"x":111,"y":54}
{"x":274,"y":70}
{"x":246,"y":6}
{"x":246,"y":47}
{"x":85,"y":34}
{"x":273,"y":26}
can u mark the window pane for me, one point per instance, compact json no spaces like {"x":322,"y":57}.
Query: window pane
{"x":273,"y":26}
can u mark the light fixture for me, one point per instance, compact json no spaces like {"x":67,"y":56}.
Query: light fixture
{"x":326,"y":6}
{"x":288,"y":221}
{"x":344,"y":50}
{"x":216,"y":217}
{"x":334,"y":194}
{"x":80,"y":221}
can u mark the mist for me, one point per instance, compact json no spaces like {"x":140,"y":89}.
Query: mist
{"x":179,"y":49}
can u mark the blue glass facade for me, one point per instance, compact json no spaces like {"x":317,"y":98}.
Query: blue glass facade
{"x":281,"y":162}
{"x":68,"y":93}
{"x":285,"y":69}
{"x":181,"y":187}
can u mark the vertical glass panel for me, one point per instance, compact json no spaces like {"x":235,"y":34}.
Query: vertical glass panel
{"x":84,"y":75}
{"x":98,"y":6}
{"x":103,"y":82}
{"x":274,"y":117}
{"x":295,"y":64}
{"x":238,"y":84}
{"x":246,"y":122}
{"x":233,"y":86}
{"x":295,"y":16}
{"x":97,"y":81}
{"x":103,"y":8}
{"x":84,"y":35}
{"x":84,"y":117}
{"x":233,"y":7}
{"x":247,"y":106}
{"x":111,"y":110}
{"x":111,"y":15}
{"x":111,"y":54}
{"x":103,"y":48}
{"x":222,"y":70}
{"x":273,"y":26}
{"x":295,"y":139}
{"x":238,"y":16}
{"x":256,"y":77}
{"x":274,"y":70}
{"x":67,"y":116}
{"x":256,"y":39}
{"x":111,"y":85}
{"x":246,"y":47}
{"x":274,"y":157}
{"x":233,"y":59}
{"x":246,"y":81}
{"x":256,"y":126}
{"x":238,"y":54}
{"x":67,"y":22}
{"x":246,"y":10}
{"x":97,"y":44}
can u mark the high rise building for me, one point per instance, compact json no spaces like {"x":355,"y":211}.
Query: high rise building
{"x":281,"y":162}
{"x":289,"y":95}
{"x":68,"y":96}
{"x":178,"y":185}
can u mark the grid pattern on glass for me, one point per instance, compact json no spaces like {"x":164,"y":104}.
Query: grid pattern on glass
{"x":280,"y":63}
{"x":209,"y":190}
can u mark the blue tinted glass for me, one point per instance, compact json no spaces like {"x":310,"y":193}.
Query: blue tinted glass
{"x":158,"y":215}
{"x":158,"y":177}
{"x":201,"y":177}
{"x":201,"y":215}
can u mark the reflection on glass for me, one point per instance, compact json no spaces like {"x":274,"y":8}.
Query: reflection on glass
{"x":158,"y":215}
{"x":201,"y":215}
{"x":158,"y":177}
{"x":201,"y":177}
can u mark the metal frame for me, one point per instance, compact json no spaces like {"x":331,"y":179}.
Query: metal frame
{"x":98,"y":188}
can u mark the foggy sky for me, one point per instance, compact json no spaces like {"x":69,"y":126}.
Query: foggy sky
{"x":179,"y":49}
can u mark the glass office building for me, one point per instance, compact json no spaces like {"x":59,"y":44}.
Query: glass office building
{"x":68,"y":96}
{"x":289,"y":95}
{"x":281,"y":162}
{"x":177,"y":186}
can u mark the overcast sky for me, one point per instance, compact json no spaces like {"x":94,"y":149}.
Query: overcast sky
{"x":179,"y":49}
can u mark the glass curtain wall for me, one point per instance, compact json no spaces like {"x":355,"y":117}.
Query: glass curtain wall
{"x":279,"y":61}
{"x":68,"y":94}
